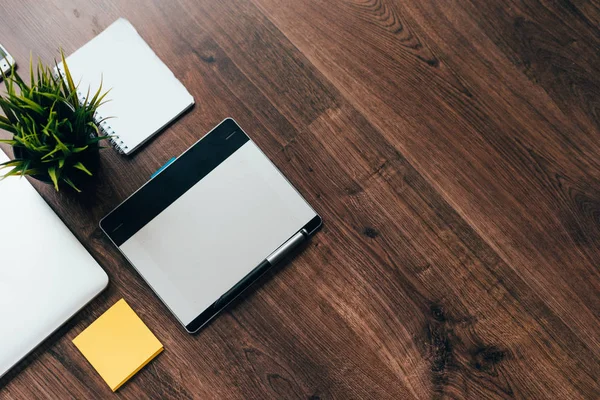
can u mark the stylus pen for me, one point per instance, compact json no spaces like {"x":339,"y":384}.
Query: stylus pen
{"x":263,"y":267}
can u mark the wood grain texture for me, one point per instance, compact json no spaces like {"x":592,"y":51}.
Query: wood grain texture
{"x":453,"y":149}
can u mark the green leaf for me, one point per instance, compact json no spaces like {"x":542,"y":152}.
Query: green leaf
{"x":81,"y":167}
{"x":98,"y":139}
{"x":39,"y":68}
{"x":51,"y":96}
{"x":51,"y":120}
{"x":8,"y":80}
{"x":96,"y":130}
{"x":21,"y":167}
{"x":87,"y":96}
{"x":8,"y":127}
{"x":51,"y":153}
{"x":22,"y":85}
{"x":31,"y":79}
{"x":69,"y":78}
{"x":15,"y":171}
{"x":62,"y":146}
{"x":53,"y":177}
{"x":70,"y":183}
{"x":34,"y":171}
{"x":29,"y":104}
{"x":21,"y":141}
{"x":100,"y":102}
{"x":94,"y":100}
{"x":7,"y":109}
{"x":25,"y":167}
{"x":103,"y":119}
{"x":11,"y":163}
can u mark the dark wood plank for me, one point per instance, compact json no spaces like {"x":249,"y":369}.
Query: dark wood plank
{"x":459,"y":255}
{"x":498,"y":145}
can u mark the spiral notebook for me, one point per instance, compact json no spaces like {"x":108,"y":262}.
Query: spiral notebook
{"x":144,"y":95}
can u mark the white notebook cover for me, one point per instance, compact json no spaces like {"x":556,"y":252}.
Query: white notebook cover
{"x":144,"y":95}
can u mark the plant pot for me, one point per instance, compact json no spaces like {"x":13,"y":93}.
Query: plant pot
{"x":90,"y":158}
{"x":18,"y":152}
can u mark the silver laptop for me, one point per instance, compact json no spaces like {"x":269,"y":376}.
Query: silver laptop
{"x":46,"y":275}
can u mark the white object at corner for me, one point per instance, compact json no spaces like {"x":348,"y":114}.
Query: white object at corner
{"x":144,"y":95}
{"x":46,"y":275}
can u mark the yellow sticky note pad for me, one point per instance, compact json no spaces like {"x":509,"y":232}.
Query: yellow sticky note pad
{"x":118,"y":344}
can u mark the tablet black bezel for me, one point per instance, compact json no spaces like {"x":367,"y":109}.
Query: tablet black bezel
{"x":171,"y":183}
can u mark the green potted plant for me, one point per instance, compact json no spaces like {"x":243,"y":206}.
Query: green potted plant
{"x":54,"y":137}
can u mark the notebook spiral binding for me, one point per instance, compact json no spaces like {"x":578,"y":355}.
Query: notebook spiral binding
{"x":105,"y":128}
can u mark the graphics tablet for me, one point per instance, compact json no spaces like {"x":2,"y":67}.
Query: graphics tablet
{"x":207,"y":226}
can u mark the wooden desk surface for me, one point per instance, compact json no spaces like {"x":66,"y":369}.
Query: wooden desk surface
{"x":453,"y":149}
